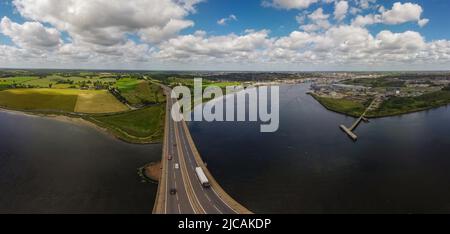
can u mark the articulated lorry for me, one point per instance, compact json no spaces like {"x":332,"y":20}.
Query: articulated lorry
{"x":202,"y":177}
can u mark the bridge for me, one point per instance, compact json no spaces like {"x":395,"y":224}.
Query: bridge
{"x":179,"y":160}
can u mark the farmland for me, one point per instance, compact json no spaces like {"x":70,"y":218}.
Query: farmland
{"x":129,"y":105}
{"x":39,"y":99}
{"x":66,"y":100}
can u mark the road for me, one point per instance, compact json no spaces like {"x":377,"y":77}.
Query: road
{"x":191,"y":197}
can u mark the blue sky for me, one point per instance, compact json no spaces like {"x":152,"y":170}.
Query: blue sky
{"x":251,"y":15}
{"x":158,"y":44}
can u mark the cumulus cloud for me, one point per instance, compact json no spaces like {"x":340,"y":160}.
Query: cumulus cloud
{"x":107,"y":22}
{"x":402,"y":13}
{"x":318,"y":20}
{"x":200,"y":46}
{"x":341,"y":9}
{"x":344,"y":45}
{"x":31,"y":35}
{"x":399,"y":14}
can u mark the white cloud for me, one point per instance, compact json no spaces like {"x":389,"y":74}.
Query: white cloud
{"x":423,"y":22}
{"x":201,"y":47}
{"x":365,"y":4}
{"x":224,"y":21}
{"x":106,"y":22}
{"x":319,"y":21}
{"x":31,"y":35}
{"x":399,"y":14}
{"x":402,"y":13}
{"x":341,"y":9}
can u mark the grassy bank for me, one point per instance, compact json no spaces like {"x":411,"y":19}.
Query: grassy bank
{"x":140,"y":92}
{"x":404,"y":105}
{"x":343,"y":106}
{"x":391,"y":107}
{"x":140,"y":126}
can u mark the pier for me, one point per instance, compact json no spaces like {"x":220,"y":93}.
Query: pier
{"x":350,"y":131}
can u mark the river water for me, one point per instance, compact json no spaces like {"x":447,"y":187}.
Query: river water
{"x":48,"y":166}
{"x":400,"y":164}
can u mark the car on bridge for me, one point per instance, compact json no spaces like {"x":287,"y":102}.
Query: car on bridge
{"x":173,"y":191}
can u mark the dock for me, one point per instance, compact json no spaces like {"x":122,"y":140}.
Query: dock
{"x":362,"y":118}
{"x":352,"y":135}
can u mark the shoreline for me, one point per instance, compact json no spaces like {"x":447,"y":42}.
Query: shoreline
{"x":380,"y":116}
{"x":75,"y":120}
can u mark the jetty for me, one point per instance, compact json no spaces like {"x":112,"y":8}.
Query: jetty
{"x":362,"y":118}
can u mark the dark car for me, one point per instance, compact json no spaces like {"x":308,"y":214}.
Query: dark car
{"x":173,"y":191}
{"x":170,"y":157}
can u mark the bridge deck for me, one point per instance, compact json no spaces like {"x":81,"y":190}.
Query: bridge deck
{"x":190,"y":196}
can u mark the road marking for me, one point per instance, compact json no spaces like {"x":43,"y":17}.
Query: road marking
{"x":217,"y":209}
{"x":207,"y":197}
{"x":183,"y":165}
{"x":223,"y":201}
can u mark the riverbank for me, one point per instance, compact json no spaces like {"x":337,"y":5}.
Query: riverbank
{"x":92,"y":122}
{"x":341,"y":106}
{"x":393,"y":107}
{"x":151,"y":172}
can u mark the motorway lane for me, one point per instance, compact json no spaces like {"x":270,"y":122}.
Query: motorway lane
{"x":179,"y":203}
{"x":191,"y":196}
{"x":208,"y":199}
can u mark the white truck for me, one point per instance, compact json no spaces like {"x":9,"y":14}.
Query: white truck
{"x":202,"y":177}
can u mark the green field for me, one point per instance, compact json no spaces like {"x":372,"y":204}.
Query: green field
{"x":66,"y":100}
{"x":377,"y":83}
{"x":60,"y":82}
{"x":6,"y":83}
{"x":344,"y":106}
{"x":172,"y":82}
{"x":140,"y":126}
{"x":403,"y":105}
{"x":140,"y":92}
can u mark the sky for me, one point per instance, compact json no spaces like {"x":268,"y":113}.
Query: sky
{"x":235,"y":35}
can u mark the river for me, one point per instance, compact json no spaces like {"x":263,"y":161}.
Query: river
{"x":49,"y":166}
{"x":399,"y":164}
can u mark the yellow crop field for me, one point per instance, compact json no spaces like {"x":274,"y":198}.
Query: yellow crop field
{"x":99,"y":101}
{"x":67,"y":100}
